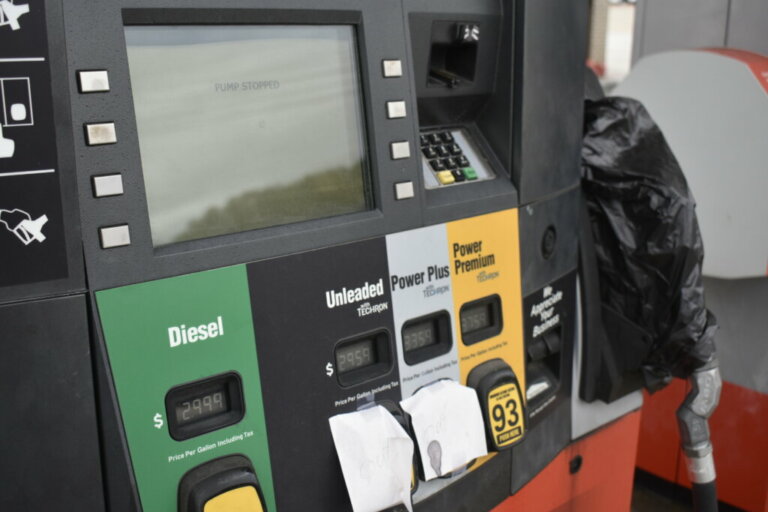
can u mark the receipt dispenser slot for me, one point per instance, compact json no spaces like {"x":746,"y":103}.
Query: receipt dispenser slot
{"x":543,"y":356}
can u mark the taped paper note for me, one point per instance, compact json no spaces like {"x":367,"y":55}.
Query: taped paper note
{"x":448,"y":425}
{"x":376,"y":456}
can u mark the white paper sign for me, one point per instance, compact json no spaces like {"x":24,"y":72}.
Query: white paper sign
{"x":376,"y":457}
{"x":448,"y":425}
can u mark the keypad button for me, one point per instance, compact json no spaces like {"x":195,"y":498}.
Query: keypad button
{"x":458,"y":175}
{"x":454,"y":149}
{"x":446,"y":136}
{"x":429,"y":152}
{"x":470,"y":173}
{"x":423,"y":140}
{"x":445,"y":177}
{"x":463,"y":162}
{"x":449,"y":163}
{"x":437,"y":164}
{"x":441,"y":150}
{"x":434,"y":138}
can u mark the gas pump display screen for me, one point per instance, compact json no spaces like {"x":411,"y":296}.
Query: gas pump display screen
{"x":244,"y":127}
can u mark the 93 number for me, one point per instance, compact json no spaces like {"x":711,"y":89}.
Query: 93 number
{"x":500,"y":414}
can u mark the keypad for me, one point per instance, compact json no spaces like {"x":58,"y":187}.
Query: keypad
{"x":446,"y":158}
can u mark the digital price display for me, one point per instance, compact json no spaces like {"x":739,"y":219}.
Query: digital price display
{"x":356,"y":355}
{"x":422,"y":334}
{"x":480,"y":319}
{"x":476,"y":318}
{"x":427,"y":337}
{"x":362,"y":358}
{"x":203,"y":406}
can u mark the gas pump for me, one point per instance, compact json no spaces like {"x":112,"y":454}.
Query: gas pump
{"x":229,"y":224}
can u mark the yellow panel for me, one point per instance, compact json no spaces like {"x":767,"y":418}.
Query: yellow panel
{"x":485,"y":260}
{"x":242,"y":499}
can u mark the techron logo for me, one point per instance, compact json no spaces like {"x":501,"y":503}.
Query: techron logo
{"x":334,"y":299}
{"x":182,"y":335}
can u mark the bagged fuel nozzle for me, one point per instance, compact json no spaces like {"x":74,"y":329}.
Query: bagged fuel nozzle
{"x":647,"y":242}
{"x":649,"y":256}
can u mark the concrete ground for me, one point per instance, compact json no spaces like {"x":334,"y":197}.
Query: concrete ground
{"x":652,"y":495}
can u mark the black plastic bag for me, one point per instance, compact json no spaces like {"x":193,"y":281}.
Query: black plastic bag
{"x":647,"y":241}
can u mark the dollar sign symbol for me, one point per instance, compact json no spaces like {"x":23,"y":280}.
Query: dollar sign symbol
{"x":159,"y":421}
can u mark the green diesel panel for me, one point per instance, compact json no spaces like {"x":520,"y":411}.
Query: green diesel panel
{"x":141,"y":326}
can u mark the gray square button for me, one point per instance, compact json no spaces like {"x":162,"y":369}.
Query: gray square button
{"x":108,"y":185}
{"x":115,"y":236}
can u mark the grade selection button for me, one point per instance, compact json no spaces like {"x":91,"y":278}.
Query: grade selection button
{"x":226,"y":484}
{"x":242,"y":499}
{"x":501,"y":401}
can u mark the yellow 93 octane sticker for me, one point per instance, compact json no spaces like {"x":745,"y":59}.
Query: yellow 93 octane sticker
{"x":505,"y":411}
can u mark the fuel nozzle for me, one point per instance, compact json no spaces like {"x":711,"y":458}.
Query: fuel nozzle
{"x":692,"y":420}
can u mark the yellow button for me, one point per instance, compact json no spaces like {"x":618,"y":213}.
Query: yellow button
{"x":445,"y":177}
{"x":242,"y":499}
